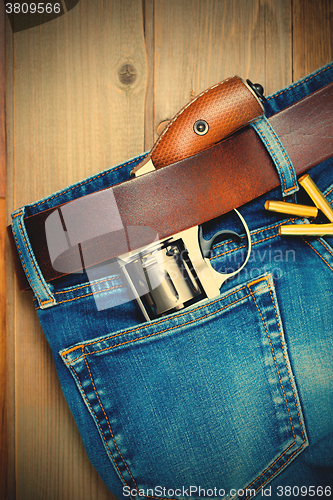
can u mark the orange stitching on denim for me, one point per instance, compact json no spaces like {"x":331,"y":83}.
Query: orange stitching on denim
{"x":17,"y":215}
{"x":322,"y":243}
{"x":322,"y":258}
{"x":292,"y":427}
{"x":22,"y":260}
{"x":87,"y":295}
{"x":251,"y":294}
{"x":145,"y":325}
{"x":277,"y":369}
{"x":289,"y":189}
{"x":244,"y":246}
{"x":299,"y":83}
{"x":285,"y":359}
{"x":285,"y":156}
{"x":261,"y":230}
{"x":46,"y":301}
{"x":274,"y":155}
{"x":99,"y":425}
{"x":74,"y":288}
{"x":329,"y":192}
{"x":325,"y":246}
{"x":113,"y":438}
{"x":274,"y":473}
{"x":267,"y":238}
{"x":84,"y":182}
{"x":267,"y":469}
{"x":92,"y":293}
{"x":263,"y":278}
{"x":24,"y":266}
{"x":229,"y":251}
{"x":156,"y":333}
{"x":26,"y":244}
{"x":171,"y":328}
{"x":104,"y":438}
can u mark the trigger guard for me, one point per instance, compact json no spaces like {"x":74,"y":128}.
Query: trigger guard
{"x":206,"y":245}
{"x":249,"y":245}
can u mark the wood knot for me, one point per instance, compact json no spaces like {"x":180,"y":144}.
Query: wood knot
{"x":127,"y":74}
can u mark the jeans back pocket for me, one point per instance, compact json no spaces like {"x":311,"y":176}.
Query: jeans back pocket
{"x":204,"y":398}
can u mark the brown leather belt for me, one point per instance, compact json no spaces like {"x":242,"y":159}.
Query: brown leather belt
{"x":195,"y":190}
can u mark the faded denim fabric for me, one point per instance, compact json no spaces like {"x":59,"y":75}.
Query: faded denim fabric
{"x":229,"y":398}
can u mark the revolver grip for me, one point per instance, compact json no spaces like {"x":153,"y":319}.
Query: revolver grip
{"x":224,"y":108}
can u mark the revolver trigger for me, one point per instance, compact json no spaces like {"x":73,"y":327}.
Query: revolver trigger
{"x":207,"y":245}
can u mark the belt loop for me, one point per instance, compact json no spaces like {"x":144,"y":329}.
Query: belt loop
{"x":278,"y":154}
{"x":40,"y":287}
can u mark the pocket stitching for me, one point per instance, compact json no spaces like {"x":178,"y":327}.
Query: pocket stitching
{"x":319,"y":255}
{"x":261,"y":230}
{"x":161,"y":331}
{"x":64,"y":354}
{"x":167,"y":329}
{"x":268,"y":288}
{"x":86,"y":285}
{"x":286,"y":402}
{"x":99,"y":425}
{"x":244,"y":246}
{"x":285,"y":360}
{"x":112,"y":435}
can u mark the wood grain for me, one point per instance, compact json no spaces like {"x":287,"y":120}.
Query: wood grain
{"x":199,"y":43}
{"x":84,"y":92}
{"x":2,"y":103}
{"x":72,"y":112}
{"x":11,"y":286}
{"x":312,"y":36}
{"x":79,"y":117}
{"x":3,"y":408}
{"x":149,"y":31}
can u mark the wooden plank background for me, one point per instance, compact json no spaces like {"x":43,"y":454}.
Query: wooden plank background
{"x":84,"y":92}
{"x":3,"y":420}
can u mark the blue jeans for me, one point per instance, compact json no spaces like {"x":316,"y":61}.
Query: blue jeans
{"x":232,"y":397}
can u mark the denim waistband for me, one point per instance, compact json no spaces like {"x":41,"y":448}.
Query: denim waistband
{"x":44,"y":291}
{"x":225,"y":250}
